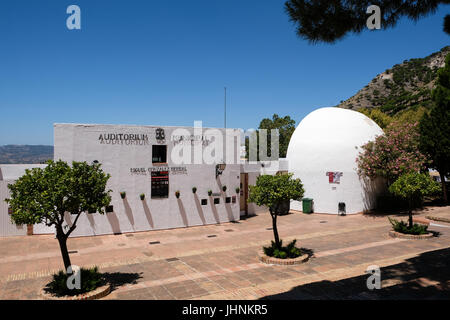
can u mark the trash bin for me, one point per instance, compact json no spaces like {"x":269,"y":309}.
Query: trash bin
{"x":307,"y":205}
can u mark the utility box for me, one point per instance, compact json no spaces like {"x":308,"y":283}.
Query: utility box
{"x":341,"y":208}
{"x":307,"y":205}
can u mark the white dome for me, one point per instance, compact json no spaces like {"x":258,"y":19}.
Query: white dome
{"x":329,"y":140}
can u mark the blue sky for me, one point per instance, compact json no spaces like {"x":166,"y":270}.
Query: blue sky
{"x":167,"y":62}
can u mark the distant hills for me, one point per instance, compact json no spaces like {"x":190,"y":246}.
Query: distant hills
{"x":16,"y":154}
{"x":404,"y":86}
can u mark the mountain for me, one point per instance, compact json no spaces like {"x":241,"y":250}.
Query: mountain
{"x":405,"y":85}
{"x":14,"y":154}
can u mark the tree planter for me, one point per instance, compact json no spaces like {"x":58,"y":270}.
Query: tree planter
{"x":282,"y":262}
{"x":285,"y":206}
{"x":98,"y":293}
{"x":395,"y":234}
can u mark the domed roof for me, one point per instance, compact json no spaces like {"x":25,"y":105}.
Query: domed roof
{"x":329,"y":139}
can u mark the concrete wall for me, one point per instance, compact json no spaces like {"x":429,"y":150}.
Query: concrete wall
{"x":130,"y":164}
{"x":8,"y":174}
{"x":7,"y":228}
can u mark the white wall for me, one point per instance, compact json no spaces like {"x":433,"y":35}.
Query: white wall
{"x":329,"y":140}
{"x":8,"y":174}
{"x":81,"y":143}
{"x":7,"y":228}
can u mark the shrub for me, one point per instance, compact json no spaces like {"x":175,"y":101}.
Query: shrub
{"x":91,"y":279}
{"x":142,"y":196}
{"x":123,"y":194}
{"x":209,"y":192}
{"x":224,"y":188}
{"x":289,"y":251}
{"x":402,"y":227}
{"x":194,"y":189}
{"x":177,"y":194}
{"x":238,"y":190}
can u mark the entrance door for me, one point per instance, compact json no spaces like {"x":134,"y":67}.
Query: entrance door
{"x":244,"y":193}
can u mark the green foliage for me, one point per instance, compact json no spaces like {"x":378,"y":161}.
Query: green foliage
{"x":44,"y":195}
{"x":284,"y":125}
{"x":280,"y":252}
{"x":142,"y":196}
{"x":380,"y":118}
{"x":194,"y":189}
{"x":329,"y":21}
{"x":237,"y":189}
{"x":123,"y":194}
{"x":224,"y":188}
{"x":414,"y":186}
{"x":402,"y":227}
{"x":435,"y":127}
{"x":91,"y":279}
{"x":272,"y":191}
{"x":392,"y":154}
{"x":177,"y":194}
{"x":210,"y":192}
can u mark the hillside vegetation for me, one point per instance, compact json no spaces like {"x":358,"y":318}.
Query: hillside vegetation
{"x":15,"y":154}
{"x":406,"y":86}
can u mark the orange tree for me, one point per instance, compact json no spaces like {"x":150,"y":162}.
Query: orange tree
{"x":272,"y":192}
{"x":46,"y":195}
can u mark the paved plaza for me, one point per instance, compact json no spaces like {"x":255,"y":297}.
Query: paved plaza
{"x":220,"y":261}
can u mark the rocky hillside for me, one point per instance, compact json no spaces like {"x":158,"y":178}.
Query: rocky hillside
{"x":13,"y":154}
{"x":405,"y":85}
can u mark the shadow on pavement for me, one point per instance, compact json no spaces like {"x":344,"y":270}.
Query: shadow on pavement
{"x":426,"y":276}
{"x":117,"y":279}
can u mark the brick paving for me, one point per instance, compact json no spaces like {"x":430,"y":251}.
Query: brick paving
{"x":188,"y":264}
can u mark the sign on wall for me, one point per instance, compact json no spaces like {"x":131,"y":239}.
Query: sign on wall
{"x":334,"y":177}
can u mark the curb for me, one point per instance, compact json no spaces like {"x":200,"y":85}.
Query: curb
{"x":282,"y":262}
{"x":98,"y":293}
{"x":440,"y":219}
{"x":394,"y":234}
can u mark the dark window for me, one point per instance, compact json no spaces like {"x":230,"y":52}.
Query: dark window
{"x":204,"y":202}
{"x":233,"y":199}
{"x":110,"y":209}
{"x":159,"y":154}
{"x":228,"y":200}
{"x":160,"y":184}
{"x":216,"y":200}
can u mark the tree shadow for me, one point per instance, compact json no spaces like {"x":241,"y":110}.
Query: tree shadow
{"x":118,"y":279}
{"x":422,"y":277}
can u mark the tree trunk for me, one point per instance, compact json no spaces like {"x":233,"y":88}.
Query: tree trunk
{"x":444,"y":187}
{"x":64,"y":252}
{"x":410,"y":213}
{"x":275,"y":230}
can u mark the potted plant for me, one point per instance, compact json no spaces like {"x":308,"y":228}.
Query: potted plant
{"x":194,"y":189}
{"x":210,"y":192}
{"x":123,"y":194}
{"x":224,"y":188}
{"x":142,"y":196}
{"x":177,"y":194}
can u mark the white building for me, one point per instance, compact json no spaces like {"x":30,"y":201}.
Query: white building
{"x":159,"y":161}
{"x":322,"y":153}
